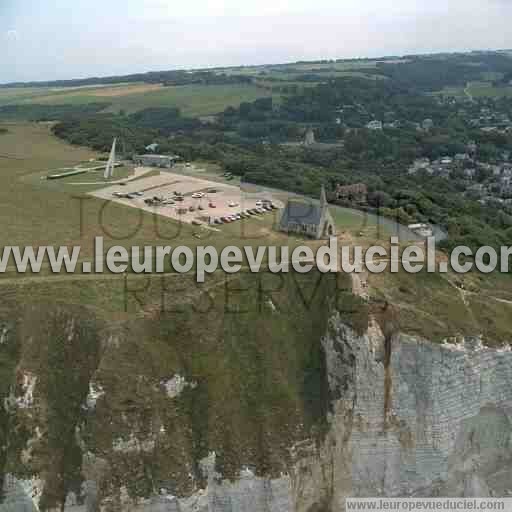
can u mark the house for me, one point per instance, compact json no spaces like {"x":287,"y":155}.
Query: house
{"x":427,"y":124}
{"x":308,"y":219}
{"x":419,"y":164}
{"x":374,"y":125}
{"x":469,"y":173}
{"x":444,"y":172}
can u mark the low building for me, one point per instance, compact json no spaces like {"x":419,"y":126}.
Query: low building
{"x":418,"y":165}
{"x":427,"y":124}
{"x":162,"y":161}
{"x":424,"y":230}
{"x":308,"y":219}
{"x":374,"y":125}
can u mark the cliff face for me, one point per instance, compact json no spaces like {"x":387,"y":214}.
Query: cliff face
{"x":435,"y":421}
{"x":408,"y":418}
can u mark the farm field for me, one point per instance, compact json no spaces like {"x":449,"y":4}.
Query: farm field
{"x":488,"y":90}
{"x":193,"y":100}
{"x":307,"y":67}
{"x":481,"y":89}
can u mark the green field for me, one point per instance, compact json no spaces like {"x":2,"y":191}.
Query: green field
{"x":453,"y":92}
{"x":193,"y":100}
{"x":481,"y":89}
{"x":488,"y":90}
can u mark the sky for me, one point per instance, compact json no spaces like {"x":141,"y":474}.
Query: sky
{"x":59,"y":39}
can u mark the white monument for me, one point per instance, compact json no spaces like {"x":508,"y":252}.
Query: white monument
{"x":109,"y":170}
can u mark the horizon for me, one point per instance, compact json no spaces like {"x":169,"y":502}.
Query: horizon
{"x":249,"y":65}
{"x":50,"y":41}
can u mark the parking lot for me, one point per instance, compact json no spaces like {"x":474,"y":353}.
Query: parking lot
{"x":189,"y":199}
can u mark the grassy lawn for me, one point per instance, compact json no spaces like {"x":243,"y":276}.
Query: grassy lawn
{"x":35,"y":211}
{"x":435,"y":307}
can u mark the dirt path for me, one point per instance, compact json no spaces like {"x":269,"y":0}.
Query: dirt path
{"x":139,"y":171}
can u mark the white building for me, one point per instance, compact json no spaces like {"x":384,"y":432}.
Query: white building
{"x":162,"y":161}
{"x":374,"y":125}
{"x":427,"y":124}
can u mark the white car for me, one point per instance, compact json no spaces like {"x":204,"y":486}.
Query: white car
{"x":233,"y":205}
{"x":259,"y":203}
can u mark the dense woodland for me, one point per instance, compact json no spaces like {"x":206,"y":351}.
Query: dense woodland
{"x":253,"y":140}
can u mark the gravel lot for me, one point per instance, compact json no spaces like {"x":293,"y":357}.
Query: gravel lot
{"x":167,"y":183}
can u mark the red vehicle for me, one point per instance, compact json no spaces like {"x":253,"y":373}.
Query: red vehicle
{"x":212,"y":205}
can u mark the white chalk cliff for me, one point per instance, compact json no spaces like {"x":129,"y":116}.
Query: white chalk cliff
{"x":409,"y":418}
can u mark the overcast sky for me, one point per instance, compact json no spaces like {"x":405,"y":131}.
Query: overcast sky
{"x":46,"y":40}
